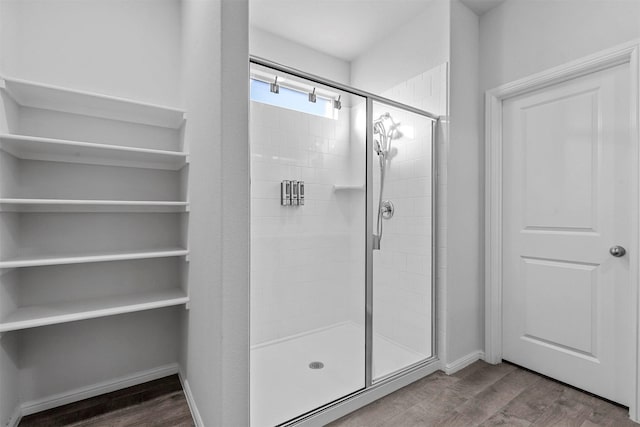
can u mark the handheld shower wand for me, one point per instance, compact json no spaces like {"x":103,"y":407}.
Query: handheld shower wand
{"x":382,"y":146}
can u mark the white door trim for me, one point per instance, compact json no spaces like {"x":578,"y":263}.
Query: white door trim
{"x":626,"y":53}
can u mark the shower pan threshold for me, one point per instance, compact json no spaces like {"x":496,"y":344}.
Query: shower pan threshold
{"x":283,"y":386}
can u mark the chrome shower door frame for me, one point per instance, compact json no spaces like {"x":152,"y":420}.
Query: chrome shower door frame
{"x":408,"y":373}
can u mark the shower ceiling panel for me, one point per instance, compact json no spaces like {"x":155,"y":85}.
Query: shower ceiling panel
{"x":343,"y":29}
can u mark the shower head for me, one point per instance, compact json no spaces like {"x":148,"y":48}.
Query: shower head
{"x":379,"y":127}
{"x":386,"y":133}
{"x":379,"y":144}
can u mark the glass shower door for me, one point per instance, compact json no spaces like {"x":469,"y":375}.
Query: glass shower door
{"x":307,"y":245}
{"x":401,"y":203}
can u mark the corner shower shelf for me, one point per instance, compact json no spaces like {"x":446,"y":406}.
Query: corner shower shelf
{"x":38,"y":95}
{"x":54,"y":313}
{"x":36,"y":261}
{"x":347,"y":187}
{"x":61,"y":150}
{"x":63,"y":205}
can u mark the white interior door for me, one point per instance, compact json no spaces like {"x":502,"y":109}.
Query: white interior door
{"x":566,"y":192}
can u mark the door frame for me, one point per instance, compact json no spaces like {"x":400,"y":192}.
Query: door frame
{"x":627,"y":53}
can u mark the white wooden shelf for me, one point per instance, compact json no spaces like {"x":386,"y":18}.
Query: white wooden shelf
{"x":35,"y":261}
{"x":63,"y":205}
{"x":348,"y":187}
{"x":51,"y":314}
{"x":61,"y":150}
{"x":38,"y":95}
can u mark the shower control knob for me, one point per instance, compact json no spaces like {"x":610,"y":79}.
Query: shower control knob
{"x":617,"y":251}
{"x":387,"y":209}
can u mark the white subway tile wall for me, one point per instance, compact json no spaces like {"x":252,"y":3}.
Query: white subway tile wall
{"x":302,"y":257}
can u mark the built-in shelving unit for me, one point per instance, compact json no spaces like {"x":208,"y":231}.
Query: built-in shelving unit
{"x":95,"y":210}
{"x":37,"y":95}
{"x":55,"y":313}
{"x":64,"y":205}
{"x":36,"y":190}
{"x":58,"y":150}
{"x":348,"y":187}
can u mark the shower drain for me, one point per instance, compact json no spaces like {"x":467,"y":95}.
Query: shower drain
{"x":316,"y":365}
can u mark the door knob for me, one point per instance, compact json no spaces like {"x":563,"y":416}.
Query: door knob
{"x":617,"y":251}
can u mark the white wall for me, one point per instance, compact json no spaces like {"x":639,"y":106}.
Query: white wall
{"x":119,"y":47}
{"x":417,"y":46}
{"x":9,"y":378}
{"x":522,"y":37}
{"x":216,"y":348}
{"x":235,"y":212}
{"x":201,"y":81}
{"x":9,"y":351}
{"x":8,"y":32}
{"x":287,"y":52}
{"x":51,"y":361}
{"x":465,"y":245}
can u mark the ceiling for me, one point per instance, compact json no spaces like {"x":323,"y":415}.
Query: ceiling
{"x":480,"y":7}
{"x":342,"y":28}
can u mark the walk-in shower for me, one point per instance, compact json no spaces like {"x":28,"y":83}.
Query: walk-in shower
{"x":331,"y":317}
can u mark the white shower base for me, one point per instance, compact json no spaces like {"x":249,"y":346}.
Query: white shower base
{"x":284,"y":387}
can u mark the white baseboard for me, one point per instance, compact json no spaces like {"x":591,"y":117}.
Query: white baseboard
{"x":197,"y":419}
{"x":15,"y":418}
{"x":82,"y":393}
{"x":463,"y":362}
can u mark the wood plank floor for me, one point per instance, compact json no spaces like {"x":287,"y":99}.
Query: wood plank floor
{"x":160,"y":403}
{"x":488,"y":395}
{"x":479,"y":395}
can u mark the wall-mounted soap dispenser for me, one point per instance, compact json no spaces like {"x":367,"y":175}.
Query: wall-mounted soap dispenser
{"x":285,"y":193}
{"x":301,"y":193}
{"x":292,"y":193}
